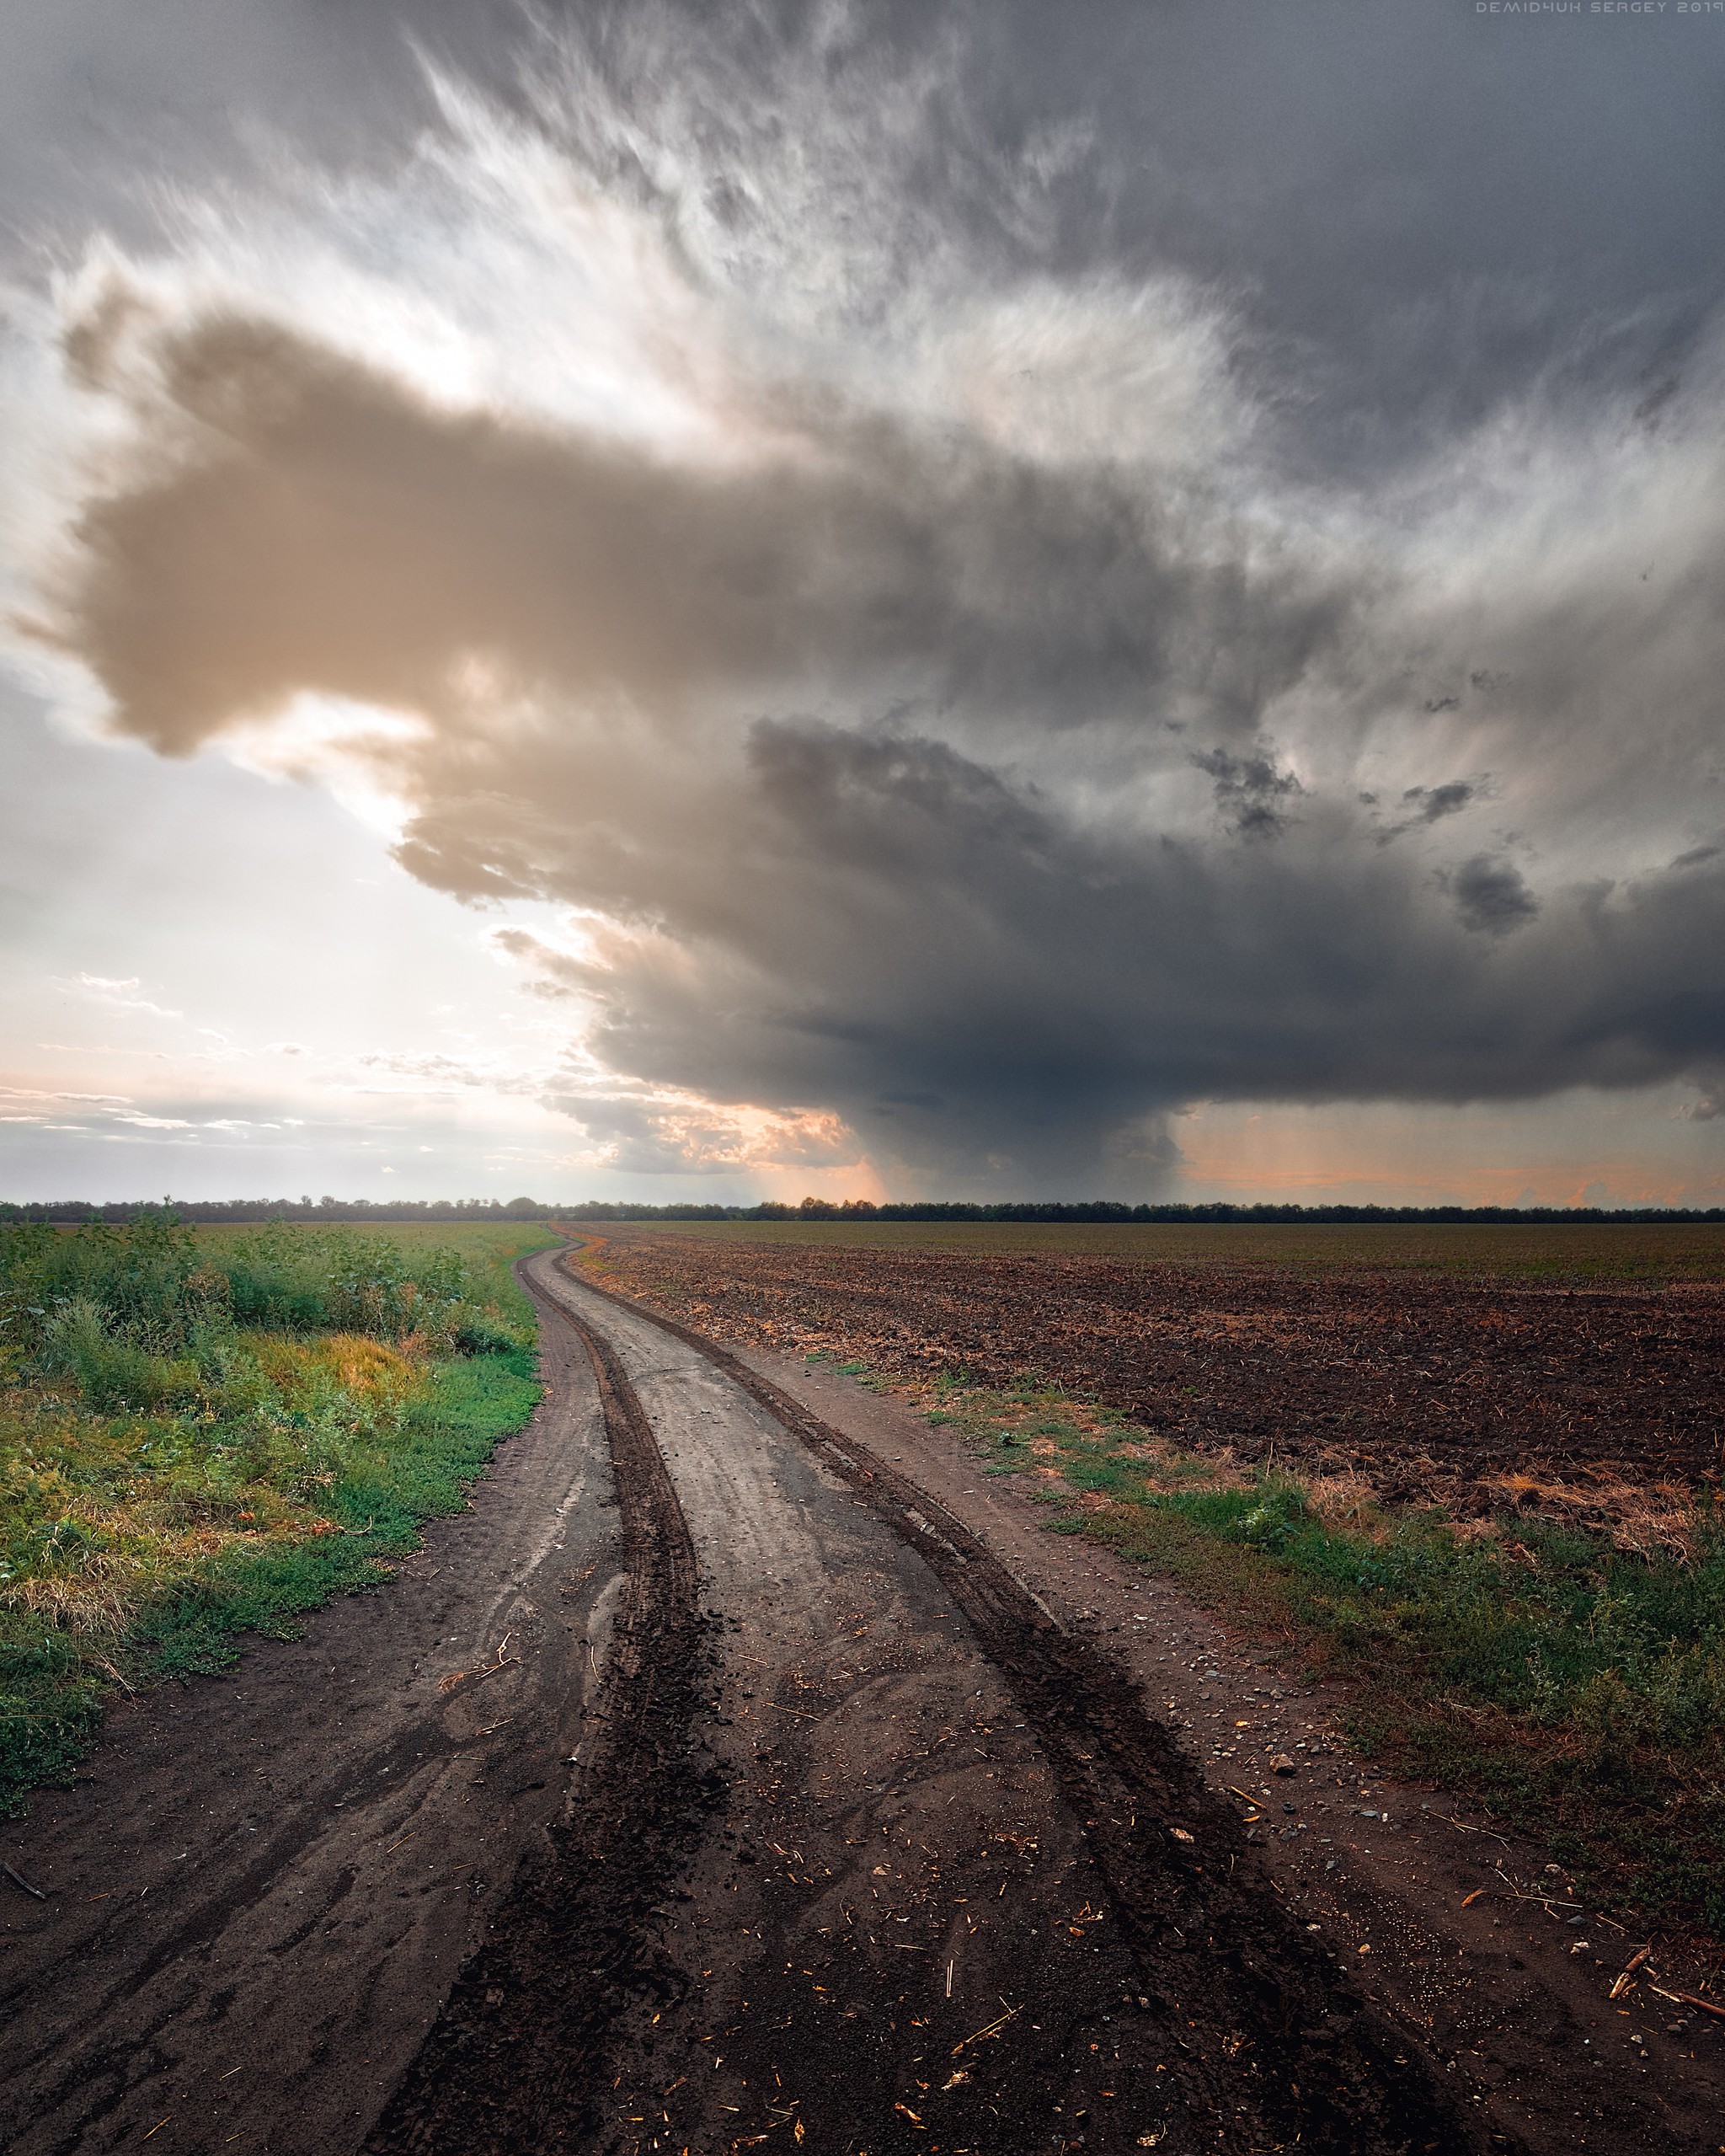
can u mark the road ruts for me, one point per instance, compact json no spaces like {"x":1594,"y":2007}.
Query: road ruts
{"x":1261,"y":2042}
{"x":511,"y":2064}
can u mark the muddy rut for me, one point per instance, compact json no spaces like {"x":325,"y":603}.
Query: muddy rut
{"x":510,"y":2062}
{"x":1177,"y":2003}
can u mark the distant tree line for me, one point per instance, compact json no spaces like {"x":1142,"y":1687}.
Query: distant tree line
{"x":237,"y":1211}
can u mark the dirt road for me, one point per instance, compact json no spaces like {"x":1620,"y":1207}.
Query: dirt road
{"x":707,"y":1786}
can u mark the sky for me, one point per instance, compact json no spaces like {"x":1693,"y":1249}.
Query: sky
{"x":882,"y":600}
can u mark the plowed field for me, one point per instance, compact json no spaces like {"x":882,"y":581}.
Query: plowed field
{"x":1458,"y":1389}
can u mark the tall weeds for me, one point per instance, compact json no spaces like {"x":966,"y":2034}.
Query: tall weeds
{"x":196,"y":1439}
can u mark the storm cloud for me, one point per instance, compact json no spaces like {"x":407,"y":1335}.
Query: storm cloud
{"x":966,"y":710}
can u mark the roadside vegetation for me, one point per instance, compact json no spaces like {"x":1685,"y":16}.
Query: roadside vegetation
{"x":203,"y":1433}
{"x":1571,"y":1681}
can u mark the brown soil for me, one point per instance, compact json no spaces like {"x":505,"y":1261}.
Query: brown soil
{"x":1434,"y":1388}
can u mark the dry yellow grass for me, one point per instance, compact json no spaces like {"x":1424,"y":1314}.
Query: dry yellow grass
{"x":1643,"y":1519}
{"x":370,"y":1371}
{"x":1342,"y":1500}
{"x":110,"y":1528}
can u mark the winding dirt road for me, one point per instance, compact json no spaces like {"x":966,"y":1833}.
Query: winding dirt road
{"x":708,"y":1785}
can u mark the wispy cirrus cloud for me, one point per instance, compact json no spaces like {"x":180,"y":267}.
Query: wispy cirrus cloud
{"x":116,"y":995}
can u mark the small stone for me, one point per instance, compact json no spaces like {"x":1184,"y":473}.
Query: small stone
{"x":1282,"y":1764}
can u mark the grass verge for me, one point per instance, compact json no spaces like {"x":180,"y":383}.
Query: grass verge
{"x":1574,"y":1687}
{"x":172,"y":1480}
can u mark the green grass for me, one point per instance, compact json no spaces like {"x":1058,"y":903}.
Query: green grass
{"x":489,"y":1251}
{"x":1555,"y":1252}
{"x":1574,"y":1687}
{"x":171,"y":1480}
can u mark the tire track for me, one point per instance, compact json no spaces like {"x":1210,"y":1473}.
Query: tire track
{"x":1220,"y":1959}
{"x":515,"y":2061}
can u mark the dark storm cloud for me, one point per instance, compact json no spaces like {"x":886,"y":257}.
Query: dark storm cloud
{"x":1491,"y":896}
{"x":969,"y":974}
{"x":1429,"y":803}
{"x":999,"y":767}
{"x":1420,"y":806}
{"x":967,"y":967}
{"x":1250,"y":790}
{"x":962,"y":965}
